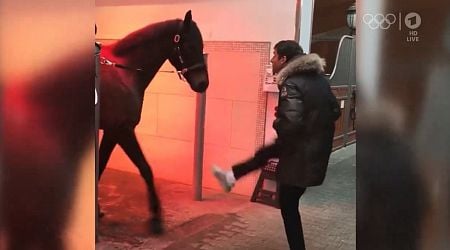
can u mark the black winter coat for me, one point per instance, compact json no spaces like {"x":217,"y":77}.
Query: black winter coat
{"x":307,"y":110}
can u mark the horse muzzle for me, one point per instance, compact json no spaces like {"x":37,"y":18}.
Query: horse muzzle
{"x":199,"y":87}
{"x":197,"y":77}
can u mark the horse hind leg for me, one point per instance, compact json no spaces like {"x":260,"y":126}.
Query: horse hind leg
{"x":130,"y":145}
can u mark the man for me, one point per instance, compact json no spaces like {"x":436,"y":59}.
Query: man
{"x":305,"y":127}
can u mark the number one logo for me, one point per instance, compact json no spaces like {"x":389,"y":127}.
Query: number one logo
{"x":413,"y":20}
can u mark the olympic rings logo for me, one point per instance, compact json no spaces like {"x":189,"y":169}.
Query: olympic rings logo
{"x":379,"y":21}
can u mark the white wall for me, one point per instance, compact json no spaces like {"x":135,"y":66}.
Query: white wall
{"x":219,"y":20}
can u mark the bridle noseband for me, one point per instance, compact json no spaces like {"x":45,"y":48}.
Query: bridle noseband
{"x":177,"y":51}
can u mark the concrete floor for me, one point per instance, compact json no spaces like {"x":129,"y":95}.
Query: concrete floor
{"x":227,"y":221}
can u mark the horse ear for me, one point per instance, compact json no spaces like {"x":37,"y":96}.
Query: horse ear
{"x":187,"y":19}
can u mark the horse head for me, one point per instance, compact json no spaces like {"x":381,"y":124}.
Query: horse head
{"x":188,"y":57}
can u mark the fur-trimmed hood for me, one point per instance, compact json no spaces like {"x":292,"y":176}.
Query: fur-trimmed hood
{"x":305,"y":63}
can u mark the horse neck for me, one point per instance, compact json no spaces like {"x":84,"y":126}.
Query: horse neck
{"x":151,"y":55}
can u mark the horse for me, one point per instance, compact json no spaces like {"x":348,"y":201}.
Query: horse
{"x":127,"y":68}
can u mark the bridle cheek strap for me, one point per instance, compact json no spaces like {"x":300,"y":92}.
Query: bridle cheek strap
{"x":177,"y":50}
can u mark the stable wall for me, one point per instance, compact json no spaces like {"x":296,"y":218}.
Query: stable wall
{"x":236,"y":106}
{"x":219,"y":20}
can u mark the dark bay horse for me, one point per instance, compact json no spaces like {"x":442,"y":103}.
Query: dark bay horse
{"x":127,"y":67}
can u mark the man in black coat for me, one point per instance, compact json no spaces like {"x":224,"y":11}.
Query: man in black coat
{"x":307,"y":110}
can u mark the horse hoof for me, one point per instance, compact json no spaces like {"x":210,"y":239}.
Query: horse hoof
{"x":156,"y":226}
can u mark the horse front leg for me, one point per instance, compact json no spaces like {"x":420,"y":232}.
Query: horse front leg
{"x":129,"y":143}
{"x":109,"y":141}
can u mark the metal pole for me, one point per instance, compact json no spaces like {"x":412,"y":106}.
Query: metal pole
{"x":200,"y":108}
{"x":350,"y":82}
{"x":199,"y":144}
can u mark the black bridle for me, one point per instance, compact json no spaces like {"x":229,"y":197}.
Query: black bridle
{"x":177,"y":51}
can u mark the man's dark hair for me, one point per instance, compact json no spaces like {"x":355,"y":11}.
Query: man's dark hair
{"x":288,"y":48}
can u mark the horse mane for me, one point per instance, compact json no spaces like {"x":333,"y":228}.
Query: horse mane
{"x":145,"y":35}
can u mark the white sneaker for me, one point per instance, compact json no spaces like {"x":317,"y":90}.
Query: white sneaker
{"x":221,"y":177}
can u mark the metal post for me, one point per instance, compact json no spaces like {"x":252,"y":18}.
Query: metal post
{"x":199,"y":144}
{"x":350,"y":82}
{"x":200,"y":108}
